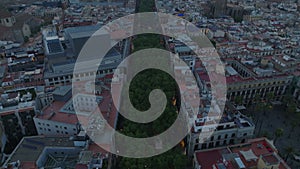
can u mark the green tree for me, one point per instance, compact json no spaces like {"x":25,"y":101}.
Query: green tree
{"x":278,"y":133}
{"x":256,"y":98}
{"x":287,"y":99}
{"x":270,"y":96}
{"x":291,"y":108}
{"x":294,"y":124}
{"x":238,"y":100}
{"x":26,"y":39}
{"x":288,"y":151}
{"x":266,"y":134}
{"x":139,"y":90}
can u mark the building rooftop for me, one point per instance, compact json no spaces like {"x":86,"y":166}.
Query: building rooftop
{"x":113,"y":58}
{"x":53,"y":152}
{"x":62,"y":90}
{"x":54,"y":46}
{"x":205,"y":157}
{"x":83,"y":31}
{"x":64,"y":112}
{"x":53,"y":113}
{"x":4,"y":13}
{"x":35,"y":145}
{"x":246,"y":154}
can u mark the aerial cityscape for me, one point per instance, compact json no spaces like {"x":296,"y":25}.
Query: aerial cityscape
{"x":180,"y":84}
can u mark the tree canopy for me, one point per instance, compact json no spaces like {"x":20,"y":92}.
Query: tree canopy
{"x":141,"y":86}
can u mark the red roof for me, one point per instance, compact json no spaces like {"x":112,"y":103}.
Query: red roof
{"x":256,"y":149}
{"x":81,"y":166}
{"x":59,"y":116}
{"x":211,"y":157}
{"x":74,"y":118}
{"x":28,"y":165}
{"x":260,"y":147}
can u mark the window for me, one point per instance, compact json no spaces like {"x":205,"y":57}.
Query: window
{"x":57,"y":131}
{"x":195,"y":147}
{"x":7,"y":20}
{"x":39,"y":123}
{"x":49,"y":129}
{"x":65,"y":128}
{"x":48,"y":125}
{"x":56,"y":126}
{"x":211,"y":145}
{"x":67,"y":133}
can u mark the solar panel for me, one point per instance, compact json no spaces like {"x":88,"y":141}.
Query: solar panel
{"x":54,"y":46}
{"x":29,"y":147}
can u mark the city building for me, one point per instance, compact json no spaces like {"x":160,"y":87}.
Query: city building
{"x":54,"y":51}
{"x":219,"y":8}
{"x":257,"y":153}
{"x":68,"y":116}
{"x":54,"y":118}
{"x":57,"y":152}
{"x":232,"y":128}
{"x":23,"y":79}
{"x":60,"y":62}
{"x":24,"y":59}
{"x":62,"y":74}
{"x":24,"y":68}
{"x":17,"y":109}
{"x":6,"y":18}
{"x":76,"y":37}
{"x":210,"y":126}
{"x":17,"y":28}
{"x":235,"y":11}
{"x":248,"y":80}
